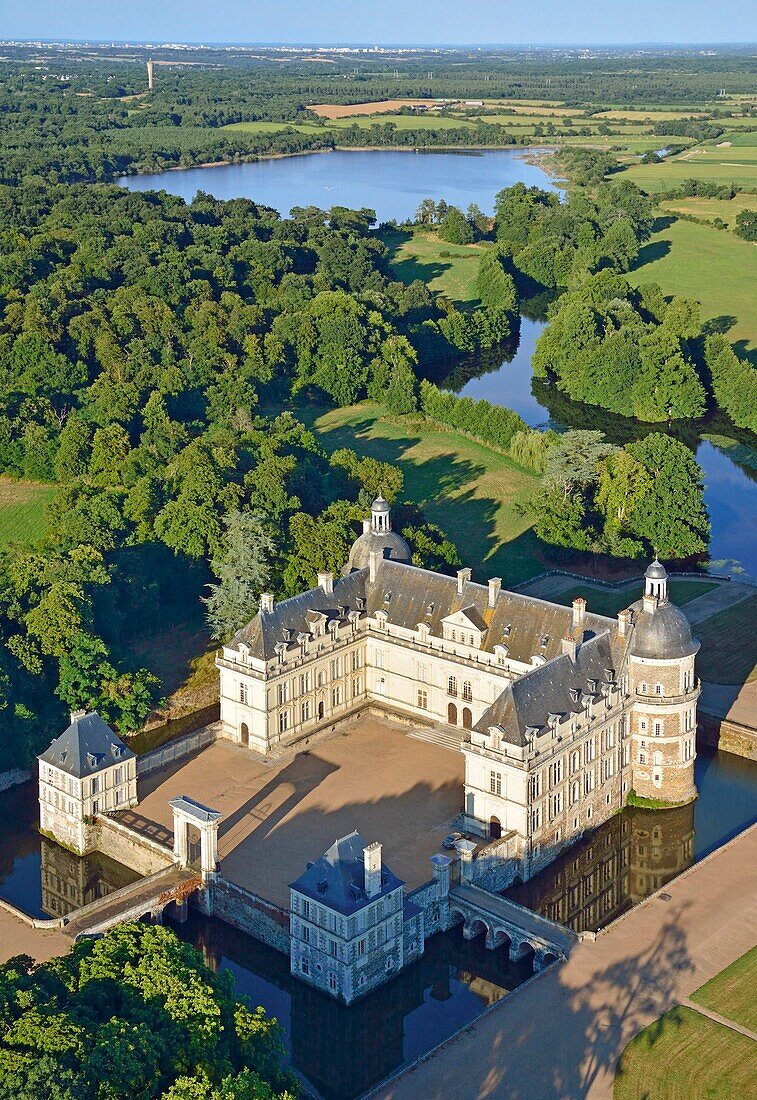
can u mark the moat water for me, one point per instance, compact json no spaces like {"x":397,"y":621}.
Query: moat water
{"x":341,"y":1052}
{"x":393,"y":184}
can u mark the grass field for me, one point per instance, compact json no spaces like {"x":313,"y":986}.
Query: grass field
{"x":22,"y":511}
{"x":469,"y":490}
{"x":713,"y":266}
{"x":728,"y":644}
{"x":608,"y":601}
{"x":732,"y":992}
{"x":709,"y":209}
{"x":683,"y":1056}
{"x":671,"y":173}
{"x":375,"y":107}
{"x":418,"y":256}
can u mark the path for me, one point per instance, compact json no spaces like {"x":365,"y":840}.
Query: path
{"x":688,"y":1003}
{"x":738,"y":702}
{"x":129,"y":903}
{"x":560,"y":1036}
{"x":716,"y":600}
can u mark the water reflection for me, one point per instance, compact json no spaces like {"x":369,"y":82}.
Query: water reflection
{"x":69,"y":881}
{"x":345,"y":1051}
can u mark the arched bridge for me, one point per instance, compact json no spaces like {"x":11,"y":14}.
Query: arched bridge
{"x":145,"y":898}
{"x":506,"y":922}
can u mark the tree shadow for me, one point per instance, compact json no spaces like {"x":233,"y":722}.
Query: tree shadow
{"x":719,"y":324}
{"x":648,"y":253}
{"x":744,"y":351}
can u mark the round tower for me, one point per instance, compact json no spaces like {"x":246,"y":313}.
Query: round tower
{"x":665,"y":690}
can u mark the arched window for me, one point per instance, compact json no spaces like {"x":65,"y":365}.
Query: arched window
{"x":467,"y":719}
{"x":244,"y":733}
{"x":452,"y":686}
{"x":452,"y":714}
{"x":467,"y":691}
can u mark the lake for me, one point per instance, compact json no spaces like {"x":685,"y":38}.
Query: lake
{"x":393,"y":184}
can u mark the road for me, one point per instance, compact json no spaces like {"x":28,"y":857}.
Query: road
{"x":560,"y":1036}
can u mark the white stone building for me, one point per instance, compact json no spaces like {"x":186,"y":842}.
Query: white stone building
{"x":86,"y":771}
{"x":350,"y":926}
{"x":560,"y":713}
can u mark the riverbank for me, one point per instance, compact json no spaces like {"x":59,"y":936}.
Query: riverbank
{"x":562,"y":1036}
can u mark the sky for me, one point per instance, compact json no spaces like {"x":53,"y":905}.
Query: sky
{"x":396,"y":22}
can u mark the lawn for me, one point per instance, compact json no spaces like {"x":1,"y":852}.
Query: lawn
{"x":609,"y":601}
{"x":671,"y":173}
{"x":684,"y":1055}
{"x":23,"y":511}
{"x":713,"y":266}
{"x":709,"y":209}
{"x":469,"y":490}
{"x":732,"y":992}
{"x":419,"y":256}
{"x":729,"y":651}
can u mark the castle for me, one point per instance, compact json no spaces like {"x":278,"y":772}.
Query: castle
{"x":560,"y":713}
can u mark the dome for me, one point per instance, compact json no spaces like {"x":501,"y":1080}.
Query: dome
{"x":380,"y":505}
{"x":662,"y":634}
{"x":656,"y":571}
{"x":388,"y":543}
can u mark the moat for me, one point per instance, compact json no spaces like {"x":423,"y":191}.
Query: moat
{"x":343,"y":1051}
{"x":393,"y":184}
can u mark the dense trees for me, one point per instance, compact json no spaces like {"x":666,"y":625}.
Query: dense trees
{"x":134,"y":1015}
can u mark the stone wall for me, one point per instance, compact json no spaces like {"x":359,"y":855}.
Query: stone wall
{"x":177,"y":750}
{"x":436,"y":916}
{"x":496,"y":864}
{"x":252,"y":914}
{"x":129,"y":848}
{"x":719,"y":733}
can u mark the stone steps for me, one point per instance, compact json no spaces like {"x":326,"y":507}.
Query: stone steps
{"x":443,"y":737}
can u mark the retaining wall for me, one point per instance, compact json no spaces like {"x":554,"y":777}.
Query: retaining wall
{"x":141,"y":854}
{"x":252,"y":914}
{"x":182,"y":747}
{"x":729,"y":736}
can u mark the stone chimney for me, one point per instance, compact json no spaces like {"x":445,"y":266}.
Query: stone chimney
{"x":372,"y":865}
{"x":77,"y":714}
{"x":579,"y":611}
{"x":326,"y":582}
{"x":375,"y":557}
{"x":267,"y":602}
{"x":366,"y":527}
{"x":624,"y":621}
{"x":569,"y":646}
{"x":649,"y":603}
{"x":495,"y":584}
{"x":463,"y":576}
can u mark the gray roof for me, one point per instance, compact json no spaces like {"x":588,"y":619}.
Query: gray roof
{"x":662,"y":634}
{"x":556,"y":687}
{"x":86,"y":747}
{"x":387,"y":543}
{"x":337,"y":879}
{"x":409,"y":596}
{"x":194,"y":810}
{"x":656,"y":571}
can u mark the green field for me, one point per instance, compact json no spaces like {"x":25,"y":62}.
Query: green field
{"x":671,"y":173}
{"x":22,"y":511}
{"x":469,"y":490}
{"x":418,"y":255}
{"x":729,"y":650}
{"x":609,"y":601}
{"x":732,"y":992}
{"x":709,"y":209}
{"x":683,"y":1056}
{"x":711,"y":265}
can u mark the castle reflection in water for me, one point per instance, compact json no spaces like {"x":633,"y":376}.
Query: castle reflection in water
{"x":70,"y":881}
{"x":621,"y":863}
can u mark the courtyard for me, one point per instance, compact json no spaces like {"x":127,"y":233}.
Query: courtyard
{"x":370,"y":776}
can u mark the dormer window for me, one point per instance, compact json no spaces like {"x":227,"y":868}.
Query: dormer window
{"x":387,"y":597}
{"x":543,"y":641}
{"x":360,"y":603}
{"x":429,"y":609}
{"x":592,"y":685}
{"x":575,"y":695}
{"x":507,"y":630}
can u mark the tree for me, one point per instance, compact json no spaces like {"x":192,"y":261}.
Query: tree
{"x":672,"y":517}
{"x":746,"y":225}
{"x":243,"y":567}
{"x":455,"y":228}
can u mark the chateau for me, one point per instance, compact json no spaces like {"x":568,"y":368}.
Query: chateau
{"x":559,"y":713}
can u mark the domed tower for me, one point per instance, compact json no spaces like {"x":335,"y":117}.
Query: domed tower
{"x":665,"y":692}
{"x":378,"y":535}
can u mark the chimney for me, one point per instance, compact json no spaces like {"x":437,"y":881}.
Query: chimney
{"x":463,"y":576}
{"x":579,"y":610}
{"x":267,"y":601}
{"x":624,"y":621}
{"x":374,"y":557}
{"x":366,"y":527}
{"x":326,"y":582}
{"x":372,"y":865}
{"x":649,"y":603}
{"x":77,"y":714}
{"x":495,"y":584}
{"x":569,"y":646}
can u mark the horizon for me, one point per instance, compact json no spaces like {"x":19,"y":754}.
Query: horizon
{"x":370,"y":44}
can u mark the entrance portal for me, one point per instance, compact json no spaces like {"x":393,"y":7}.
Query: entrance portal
{"x":320,"y":711}
{"x":467,"y":719}
{"x":195,"y":832}
{"x":495,"y":829}
{"x":452,"y":714}
{"x":244,"y":732}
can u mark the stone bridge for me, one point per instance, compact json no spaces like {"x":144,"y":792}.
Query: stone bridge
{"x":506,"y":922}
{"x":146,"y":898}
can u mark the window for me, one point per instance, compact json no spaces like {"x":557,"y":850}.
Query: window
{"x":305,"y":966}
{"x":657,"y":729}
{"x":590,"y":750}
{"x":284,"y":721}
{"x":306,"y":909}
{"x":337,"y":696}
{"x":380,"y":685}
{"x":575,"y":792}
{"x":658,"y":689}
{"x":242,"y":693}
{"x":118,"y":776}
{"x":96,"y":806}
{"x":282,"y":693}
{"x":423,"y":698}
{"x":467,"y":691}
{"x":452,"y":686}
{"x":357,"y":660}
{"x":95,"y":784}
{"x":589,"y":782}
{"x":555,"y":805}
{"x":332,"y":981}
{"x":305,"y":711}
{"x":575,"y":761}
{"x":321,"y":677}
{"x":535,"y":818}
{"x":642,"y":725}
{"x":495,"y":783}
{"x":361,"y":947}
{"x":119,"y":795}
{"x":609,"y":767}
{"x":642,"y":758}
{"x":305,"y":683}
{"x":535,"y":785}
{"x":422,"y":672}
{"x":626,"y":756}
{"x":380,"y":658}
{"x":357,"y":686}
{"x":333,"y":948}
{"x":305,"y":934}
{"x":643,"y":687}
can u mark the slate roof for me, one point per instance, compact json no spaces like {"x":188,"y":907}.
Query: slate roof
{"x":337,"y":879}
{"x":410,"y":596}
{"x":86,"y":747}
{"x":663,"y":634}
{"x":528,"y":702}
{"x":195,"y":810}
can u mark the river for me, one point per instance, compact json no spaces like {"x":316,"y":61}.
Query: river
{"x":393,"y":184}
